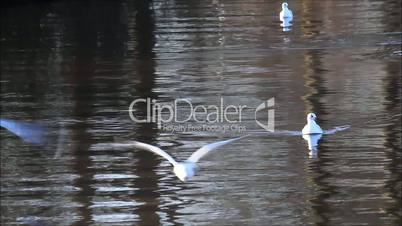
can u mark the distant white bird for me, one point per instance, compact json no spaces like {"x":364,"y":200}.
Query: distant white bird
{"x":285,"y":13}
{"x":183,"y":170}
{"x":311,"y":127}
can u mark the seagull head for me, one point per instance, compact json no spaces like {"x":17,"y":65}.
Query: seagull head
{"x":185,"y":170}
{"x":284,"y":5}
{"x":311,"y":117}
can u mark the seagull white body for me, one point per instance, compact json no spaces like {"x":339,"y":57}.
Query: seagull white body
{"x":183,"y":170}
{"x":311,"y":127}
{"x":286,"y":13}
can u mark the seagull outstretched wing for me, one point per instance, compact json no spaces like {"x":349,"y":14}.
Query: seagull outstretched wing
{"x":136,"y":144}
{"x":299,"y":133}
{"x":336,"y":129}
{"x":154,"y":149}
{"x":276,"y":132}
{"x":197,"y":155}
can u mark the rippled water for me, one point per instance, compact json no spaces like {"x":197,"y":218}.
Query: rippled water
{"x":76,"y":67}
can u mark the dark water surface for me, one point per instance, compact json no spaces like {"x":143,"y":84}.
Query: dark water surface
{"x":76,"y":66}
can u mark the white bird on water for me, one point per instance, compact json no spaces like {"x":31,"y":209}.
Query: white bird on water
{"x":184,"y":170}
{"x":286,"y":13}
{"x":311,"y":127}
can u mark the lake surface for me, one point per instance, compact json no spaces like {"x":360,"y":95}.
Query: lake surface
{"x":77,"y":66}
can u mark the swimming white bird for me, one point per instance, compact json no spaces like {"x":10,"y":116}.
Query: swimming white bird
{"x":285,"y":13}
{"x":183,"y":170}
{"x":311,"y":127}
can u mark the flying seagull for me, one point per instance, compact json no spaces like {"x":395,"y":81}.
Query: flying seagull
{"x":184,"y":170}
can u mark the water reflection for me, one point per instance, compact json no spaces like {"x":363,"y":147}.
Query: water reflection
{"x":393,"y":140}
{"x":33,"y":221}
{"x":88,"y":44}
{"x":318,"y":175}
{"x":311,"y":21}
{"x":147,"y":180}
{"x":312,"y":143}
{"x":323,"y":190}
{"x":286,"y":24}
{"x":77,"y":65}
{"x":82,"y":81}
